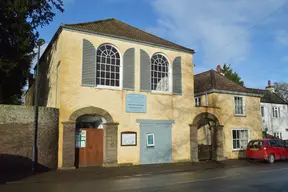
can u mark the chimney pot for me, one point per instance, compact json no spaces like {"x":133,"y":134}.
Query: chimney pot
{"x":270,"y":87}
{"x":269,"y":83}
{"x":218,"y":68}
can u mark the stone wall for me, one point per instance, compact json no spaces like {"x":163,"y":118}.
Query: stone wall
{"x":16,"y":141}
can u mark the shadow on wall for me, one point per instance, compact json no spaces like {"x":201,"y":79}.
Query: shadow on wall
{"x":14,"y":168}
{"x":16,"y":131}
{"x":48,"y":77}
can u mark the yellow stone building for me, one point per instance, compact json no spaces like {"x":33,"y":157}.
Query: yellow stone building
{"x":126,"y":96}
{"x":235,"y":109}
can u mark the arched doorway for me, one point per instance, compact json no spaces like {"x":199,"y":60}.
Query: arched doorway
{"x":89,"y":136}
{"x":97,"y":119}
{"x":206,"y":138}
{"x":89,"y":140}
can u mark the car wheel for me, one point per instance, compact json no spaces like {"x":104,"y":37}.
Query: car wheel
{"x":271,"y":158}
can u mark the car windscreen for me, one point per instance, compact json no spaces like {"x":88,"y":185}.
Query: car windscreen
{"x":255,"y":144}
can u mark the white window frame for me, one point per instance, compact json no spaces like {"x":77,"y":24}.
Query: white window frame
{"x":278,"y":134}
{"x":120,"y":87}
{"x":243,"y":106}
{"x":197,"y":101}
{"x":170,"y":74}
{"x":248,"y":139}
{"x":150,"y":145}
{"x":276,"y":112}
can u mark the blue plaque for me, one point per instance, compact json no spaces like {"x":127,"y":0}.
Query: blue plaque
{"x":135,"y":103}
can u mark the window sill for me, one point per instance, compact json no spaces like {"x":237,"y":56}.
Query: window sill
{"x":161,"y":92}
{"x":103,"y":87}
{"x":239,"y":115}
{"x":237,"y":150}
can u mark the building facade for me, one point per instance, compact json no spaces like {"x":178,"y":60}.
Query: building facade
{"x":127,"y":97}
{"x":235,"y":107}
{"x":274,"y":112}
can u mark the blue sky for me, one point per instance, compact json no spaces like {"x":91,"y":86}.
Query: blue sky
{"x":248,"y":34}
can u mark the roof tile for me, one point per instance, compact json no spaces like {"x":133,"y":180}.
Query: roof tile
{"x":119,"y":29}
{"x":211,"y":79}
{"x":269,"y":97}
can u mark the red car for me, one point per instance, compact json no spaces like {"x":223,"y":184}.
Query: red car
{"x":267,"y":149}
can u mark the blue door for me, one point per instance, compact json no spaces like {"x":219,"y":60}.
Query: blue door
{"x":155,"y":141}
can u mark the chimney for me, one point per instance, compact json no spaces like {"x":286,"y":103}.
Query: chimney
{"x":218,"y":68}
{"x":30,"y":80}
{"x":270,"y":87}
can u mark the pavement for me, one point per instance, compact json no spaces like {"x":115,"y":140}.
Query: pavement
{"x":90,"y":173}
{"x":228,"y":176}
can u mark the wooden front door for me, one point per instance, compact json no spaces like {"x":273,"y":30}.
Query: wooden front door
{"x":92,"y":153}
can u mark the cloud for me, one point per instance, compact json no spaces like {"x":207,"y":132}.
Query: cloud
{"x":209,"y":25}
{"x":281,"y":37}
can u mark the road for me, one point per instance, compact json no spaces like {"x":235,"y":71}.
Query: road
{"x":263,"y":177}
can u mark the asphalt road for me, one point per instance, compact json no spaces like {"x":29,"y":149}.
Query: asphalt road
{"x":264,"y":177}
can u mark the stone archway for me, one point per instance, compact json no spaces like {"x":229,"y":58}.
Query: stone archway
{"x":110,"y":136}
{"x":91,"y":111}
{"x":216,"y":128}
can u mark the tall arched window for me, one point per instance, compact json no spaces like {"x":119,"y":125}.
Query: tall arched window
{"x":108,"y":66}
{"x":160,"y":80}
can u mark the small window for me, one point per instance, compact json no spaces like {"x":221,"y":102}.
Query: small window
{"x":197,"y":101}
{"x":240,"y":139}
{"x":278,"y":135}
{"x":150,"y":140}
{"x":239,"y":105}
{"x":262,"y":111}
{"x":276,"y":112}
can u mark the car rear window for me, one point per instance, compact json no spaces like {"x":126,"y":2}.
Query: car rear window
{"x":255,"y":144}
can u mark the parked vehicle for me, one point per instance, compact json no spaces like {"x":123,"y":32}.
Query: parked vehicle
{"x":267,"y":149}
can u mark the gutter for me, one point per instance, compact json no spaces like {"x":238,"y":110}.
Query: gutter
{"x":229,"y":92}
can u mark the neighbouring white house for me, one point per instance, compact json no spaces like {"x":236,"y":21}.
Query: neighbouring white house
{"x":274,"y":112}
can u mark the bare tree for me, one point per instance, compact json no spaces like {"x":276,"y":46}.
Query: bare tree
{"x":281,"y":89}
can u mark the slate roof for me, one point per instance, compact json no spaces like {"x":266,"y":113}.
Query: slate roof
{"x":269,"y":97}
{"x":119,"y":29}
{"x":211,"y":79}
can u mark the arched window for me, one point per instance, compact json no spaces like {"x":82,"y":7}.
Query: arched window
{"x":108,"y":66}
{"x":160,"y":80}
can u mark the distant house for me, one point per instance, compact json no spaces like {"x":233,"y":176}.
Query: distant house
{"x":235,"y":107}
{"x":274,"y":112}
